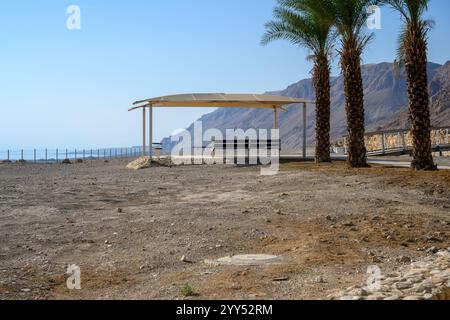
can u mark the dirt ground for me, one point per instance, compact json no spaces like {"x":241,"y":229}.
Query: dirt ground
{"x":127,"y":230}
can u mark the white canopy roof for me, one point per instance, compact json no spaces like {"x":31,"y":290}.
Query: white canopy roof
{"x":219,"y":100}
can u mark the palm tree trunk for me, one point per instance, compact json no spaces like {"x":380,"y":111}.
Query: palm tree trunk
{"x":354,"y":103}
{"x":416,"y":71}
{"x":321,"y":76}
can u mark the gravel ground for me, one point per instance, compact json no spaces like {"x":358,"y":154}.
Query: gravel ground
{"x":128,"y":230}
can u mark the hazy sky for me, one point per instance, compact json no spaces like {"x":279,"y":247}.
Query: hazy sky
{"x":72,"y":88}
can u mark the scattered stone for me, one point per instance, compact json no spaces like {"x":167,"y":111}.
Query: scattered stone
{"x":319,"y":279}
{"x":119,"y":210}
{"x":432,"y":250}
{"x":66,"y":161}
{"x":280,"y":279}
{"x":404,"y":259}
{"x":79,"y":161}
{"x":428,"y":296}
{"x":349,"y":298}
{"x":146,"y":162}
{"x":403,"y":285}
{"x":25,"y":290}
{"x":348,"y":224}
{"x":413,"y":298}
{"x":377,"y":259}
{"x":185,"y":260}
{"x":428,"y":279}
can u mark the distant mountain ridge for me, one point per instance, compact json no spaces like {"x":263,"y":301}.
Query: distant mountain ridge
{"x":386,"y":105}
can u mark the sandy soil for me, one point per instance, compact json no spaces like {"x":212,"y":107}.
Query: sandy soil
{"x":127,"y":230}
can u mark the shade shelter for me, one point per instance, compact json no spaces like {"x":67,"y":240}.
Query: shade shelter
{"x":217,"y":100}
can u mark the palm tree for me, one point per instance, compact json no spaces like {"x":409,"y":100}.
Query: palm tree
{"x":413,"y":53}
{"x":299,"y":25}
{"x":349,"y":18}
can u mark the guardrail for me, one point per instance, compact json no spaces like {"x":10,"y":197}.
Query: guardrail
{"x":399,"y":141}
{"x":57,"y":155}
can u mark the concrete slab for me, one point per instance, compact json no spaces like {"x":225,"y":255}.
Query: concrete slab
{"x":246,"y":260}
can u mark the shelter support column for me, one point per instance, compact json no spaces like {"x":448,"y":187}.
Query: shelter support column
{"x":151,"y":132}
{"x":304,"y":129}
{"x":144,"y":145}
{"x":275,"y":118}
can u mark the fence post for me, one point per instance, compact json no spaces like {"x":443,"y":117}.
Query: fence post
{"x":75,"y":155}
{"x":104,"y":154}
{"x":34,"y":155}
{"x":403,"y":141}
{"x":57,"y":160}
{"x":446,"y":135}
{"x":46,"y":156}
{"x":91,"y":154}
{"x":383,"y":143}
{"x":84,"y":155}
{"x":8,"y":155}
{"x":98,"y":154}
{"x":21,"y":155}
{"x":67,"y":154}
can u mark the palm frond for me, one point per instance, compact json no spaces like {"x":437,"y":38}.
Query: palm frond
{"x":411,"y":11}
{"x":300,"y":22}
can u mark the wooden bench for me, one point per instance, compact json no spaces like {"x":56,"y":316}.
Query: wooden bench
{"x":243,"y":149}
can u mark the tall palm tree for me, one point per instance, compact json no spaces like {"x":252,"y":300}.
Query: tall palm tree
{"x":299,"y":25}
{"x":349,"y":18}
{"x":413,"y":53}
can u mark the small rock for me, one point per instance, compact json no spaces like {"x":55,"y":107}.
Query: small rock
{"x":413,"y":298}
{"x":348,"y":224}
{"x":119,"y":210}
{"x":404,"y":259}
{"x":403,"y":285}
{"x":428,"y":296}
{"x":107,"y":242}
{"x":280,"y":279}
{"x":25,"y":290}
{"x":377,"y":260}
{"x":319,"y":279}
{"x":432,"y":250}
{"x":349,"y":298}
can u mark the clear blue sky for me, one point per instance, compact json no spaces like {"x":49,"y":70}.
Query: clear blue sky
{"x":72,"y":88}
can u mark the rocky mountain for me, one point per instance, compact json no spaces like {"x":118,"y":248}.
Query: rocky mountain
{"x":385,"y":105}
